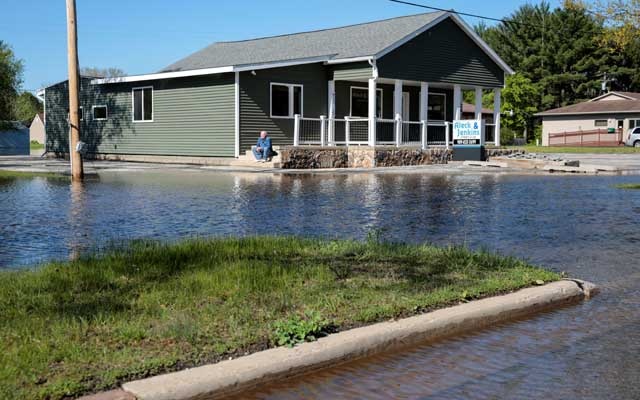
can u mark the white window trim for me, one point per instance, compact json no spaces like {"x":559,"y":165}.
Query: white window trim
{"x":366,"y":89}
{"x":445,"y":106}
{"x":93,"y":112}
{"x":291,"y":97}
{"x":133,"y":113}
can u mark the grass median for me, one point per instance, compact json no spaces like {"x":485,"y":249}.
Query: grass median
{"x":145,"y":308}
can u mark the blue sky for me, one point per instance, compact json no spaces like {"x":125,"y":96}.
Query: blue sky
{"x":143,"y":36}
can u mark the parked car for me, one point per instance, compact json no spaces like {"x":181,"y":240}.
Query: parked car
{"x":634,"y":137}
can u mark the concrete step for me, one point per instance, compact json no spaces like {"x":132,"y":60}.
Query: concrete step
{"x":241,"y":162}
{"x":486,"y":164}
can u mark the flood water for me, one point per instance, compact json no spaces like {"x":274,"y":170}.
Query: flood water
{"x":582,"y":225}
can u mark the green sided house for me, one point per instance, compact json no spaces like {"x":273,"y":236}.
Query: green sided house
{"x":394,"y":82}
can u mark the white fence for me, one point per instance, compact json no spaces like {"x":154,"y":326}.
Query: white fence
{"x":355,"y":131}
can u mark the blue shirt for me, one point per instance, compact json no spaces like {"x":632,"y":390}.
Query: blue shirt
{"x":264,"y":144}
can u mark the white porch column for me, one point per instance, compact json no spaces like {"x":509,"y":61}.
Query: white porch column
{"x":397,"y":98}
{"x":372,"y":111}
{"x":424,"y":101}
{"x":478,"y":103}
{"x":457,"y":102}
{"x":497,"y":104}
{"x":397,"y":111}
{"x":331,"y":109}
{"x":424,"y":113}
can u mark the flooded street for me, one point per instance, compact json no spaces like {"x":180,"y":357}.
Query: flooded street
{"x":579,"y":224}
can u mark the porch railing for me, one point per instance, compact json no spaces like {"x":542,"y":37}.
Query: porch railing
{"x":350,"y":131}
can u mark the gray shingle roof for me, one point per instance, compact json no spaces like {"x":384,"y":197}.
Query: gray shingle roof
{"x":595,"y":107}
{"x":346,"y":42}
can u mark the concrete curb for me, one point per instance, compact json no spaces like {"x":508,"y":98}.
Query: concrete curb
{"x":229,"y":377}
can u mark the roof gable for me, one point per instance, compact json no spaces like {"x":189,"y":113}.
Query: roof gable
{"x":617,"y":96}
{"x":373,"y":39}
{"x":338,"y":43}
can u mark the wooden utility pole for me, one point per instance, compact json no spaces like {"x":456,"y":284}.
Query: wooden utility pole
{"x":77,"y":172}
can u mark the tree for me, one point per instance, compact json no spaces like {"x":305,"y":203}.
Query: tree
{"x":10,"y":81}
{"x":621,"y":38}
{"x":27,"y":106}
{"x":110,"y":72}
{"x":517,"y":108}
{"x":557,"y":50}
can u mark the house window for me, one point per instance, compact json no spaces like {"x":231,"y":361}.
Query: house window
{"x":437,"y":109}
{"x":99,"y":113}
{"x":633,"y":123}
{"x":142,"y":104}
{"x":360,"y":102}
{"x":601,"y":123}
{"x":286,"y":100}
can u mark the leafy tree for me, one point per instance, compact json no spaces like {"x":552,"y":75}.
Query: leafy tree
{"x":621,"y":38}
{"x":557,"y":50}
{"x":517,"y":108}
{"x":27,"y":106}
{"x":102,"y":72}
{"x":10,"y":81}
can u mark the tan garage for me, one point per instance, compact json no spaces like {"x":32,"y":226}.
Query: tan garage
{"x":602,"y":121}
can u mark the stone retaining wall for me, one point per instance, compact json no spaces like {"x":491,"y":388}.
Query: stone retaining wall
{"x":360,"y":157}
{"x":501,"y":152}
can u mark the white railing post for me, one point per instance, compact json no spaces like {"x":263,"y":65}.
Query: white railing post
{"x":496,"y":116}
{"x":423,"y":134}
{"x":398,"y":129}
{"x":296,"y":130}
{"x":323,"y":130}
{"x":347,"y":128}
{"x":446,"y":134}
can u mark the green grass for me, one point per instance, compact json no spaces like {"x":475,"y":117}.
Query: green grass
{"x":35,"y":145}
{"x":634,"y":186}
{"x":6,"y":174}
{"x":581,"y":150}
{"x":75,"y":327}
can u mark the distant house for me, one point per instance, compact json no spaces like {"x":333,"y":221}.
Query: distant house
{"x":37,"y":130}
{"x":361,"y":79}
{"x":604,"y":120}
{"x":469,"y":112}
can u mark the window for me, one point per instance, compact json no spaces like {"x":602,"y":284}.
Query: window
{"x":437,"y":109}
{"x":99,"y":113}
{"x":601,"y":123}
{"x":286,"y":100}
{"x":360,"y":102}
{"x":80,"y":114}
{"x":142,"y":104}
{"x":636,"y":131}
{"x":633,"y":123}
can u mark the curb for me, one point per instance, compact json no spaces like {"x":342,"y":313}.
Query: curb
{"x":233,"y":376}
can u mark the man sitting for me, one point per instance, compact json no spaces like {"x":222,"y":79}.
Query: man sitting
{"x":262,"y":150}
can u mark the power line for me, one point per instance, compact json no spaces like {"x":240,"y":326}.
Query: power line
{"x":506,"y":21}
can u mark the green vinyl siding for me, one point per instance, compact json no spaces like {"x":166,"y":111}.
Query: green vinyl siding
{"x":350,"y":71}
{"x":192,"y":116}
{"x":255,"y":101}
{"x":442,"y":54}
